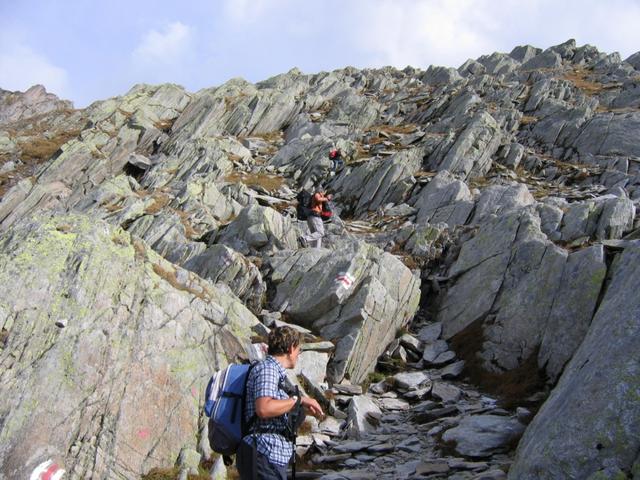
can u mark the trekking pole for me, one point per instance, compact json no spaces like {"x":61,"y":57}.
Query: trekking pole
{"x":344,"y":228}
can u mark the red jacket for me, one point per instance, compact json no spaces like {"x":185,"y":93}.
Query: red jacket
{"x":316,"y":203}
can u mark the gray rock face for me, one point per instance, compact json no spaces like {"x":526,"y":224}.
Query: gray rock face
{"x":439,"y":75}
{"x":481,"y":435}
{"x":524,"y":53}
{"x":167,"y":235}
{"x":378,"y":182}
{"x":470,"y":155}
{"x":445,"y":200}
{"x":363,"y":414}
{"x":220,"y":263}
{"x":190,"y":175}
{"x":603,"y":407}
{"x":16,"y":106}
{"x":114,"y":345}
{"x":610,"y":134}
{"x":603,"y":218}
{"x":546,"y":59}
{"x":410,"y":380}
{"x":511,"y":277}
{"x":634,"y":60}
{"x":499,"y":63}
{"x":259,"y":229}
{"x":358,"y":297}
{"x":501,"y":199}
{"x":573,"y":308}
{"x":471,"y":67}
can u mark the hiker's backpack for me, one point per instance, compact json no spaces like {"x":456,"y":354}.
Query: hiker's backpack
{"x":224,"y":405}
{"x":327,"y":212}
{"x":303,"y":209}
{"x":225,"y":399}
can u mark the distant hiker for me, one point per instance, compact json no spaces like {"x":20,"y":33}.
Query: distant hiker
{"x":270,"y":411}
{"x":337,"y":163}
{"x":314,"y":220}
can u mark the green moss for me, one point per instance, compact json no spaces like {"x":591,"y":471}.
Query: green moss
{"x":68,"y":368}
{"x":184,"y":361}
{"x":602,"y":475}
{"x":17,"y":420}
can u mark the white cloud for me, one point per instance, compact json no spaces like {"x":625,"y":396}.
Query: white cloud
{"x":165,"y":47}
{"x":447,"y":32}
{"x":244,"y":12}
{"x":21,"y":67}
{"x":421,"y":33}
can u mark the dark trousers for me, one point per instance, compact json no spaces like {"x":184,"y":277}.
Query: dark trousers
{"x":264,"y":470}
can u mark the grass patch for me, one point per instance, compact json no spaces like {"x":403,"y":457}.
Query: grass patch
{"x":189,"y":231}
{"x":273,"y":136}
{"x":170,"y":277}
{"x":164,"y":125}
{"x":372,"y":379}
{"x":580,"y":78}
{"x":389,"y":129}
{"x":262,"y":180}
{"x":40,"y":148}
{"x":160,"y":200}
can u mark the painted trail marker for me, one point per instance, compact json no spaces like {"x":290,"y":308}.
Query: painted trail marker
{"x":345,"y":279}
{"x":47,"y":471}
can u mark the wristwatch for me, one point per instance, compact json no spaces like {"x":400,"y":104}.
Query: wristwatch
{"x":295,"y":397}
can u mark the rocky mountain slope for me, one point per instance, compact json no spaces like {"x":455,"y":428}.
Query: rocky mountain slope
{"x":472,"y":316}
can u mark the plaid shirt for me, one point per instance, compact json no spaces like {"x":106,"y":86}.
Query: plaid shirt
{"x":264,"y":381}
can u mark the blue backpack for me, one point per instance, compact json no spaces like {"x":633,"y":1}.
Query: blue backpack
{"x":224,"y":405}
{"x":225,"y":399}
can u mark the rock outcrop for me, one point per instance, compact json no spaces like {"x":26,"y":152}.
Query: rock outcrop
{"x":106,"y":348}
{"x":484,"y":230}
{"x":357,"y":297}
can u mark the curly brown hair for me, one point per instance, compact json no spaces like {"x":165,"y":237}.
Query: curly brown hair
{"x":281,"y":339}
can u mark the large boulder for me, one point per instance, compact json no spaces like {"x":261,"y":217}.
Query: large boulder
{"x":479,"y":436}
{"x":236,"y":108}
{"x":356,"y":296}
{"x":607,"y":217}
{"x":259,"y":228}
{"x":610,"y":134}
{"x":105,"y":350}
{"x":307,"y":158}
{"x":501,"y":199}
{"x":219,"y":263}
{"x":166,"y":233}
{"x":471,"y":154}
{"x":378,"y":181}
{"x":208,"y":159}
{"x":573,"y":309}
{"x":36,"y":100}
{"x":444,"y":199}
{"x":597,"y":394}
{"x":512,"y":280}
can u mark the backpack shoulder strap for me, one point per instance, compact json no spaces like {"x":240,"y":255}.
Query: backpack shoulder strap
{"x":246,"y":425}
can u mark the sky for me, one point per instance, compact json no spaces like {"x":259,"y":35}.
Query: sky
{"x":87,"y":50}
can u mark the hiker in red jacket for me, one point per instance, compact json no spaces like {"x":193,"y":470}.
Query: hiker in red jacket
{"x":314,"y":220}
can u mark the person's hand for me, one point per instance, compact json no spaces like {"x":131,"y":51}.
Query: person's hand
{"x":312,"y":406}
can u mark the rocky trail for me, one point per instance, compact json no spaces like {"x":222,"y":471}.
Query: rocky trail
{"x":471,"y":315}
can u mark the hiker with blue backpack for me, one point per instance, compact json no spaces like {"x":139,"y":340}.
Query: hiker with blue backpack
{"x":255,"y":411}
{"x":272,"y":412}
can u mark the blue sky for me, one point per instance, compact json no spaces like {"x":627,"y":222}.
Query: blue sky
{"x":87,"y":50}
